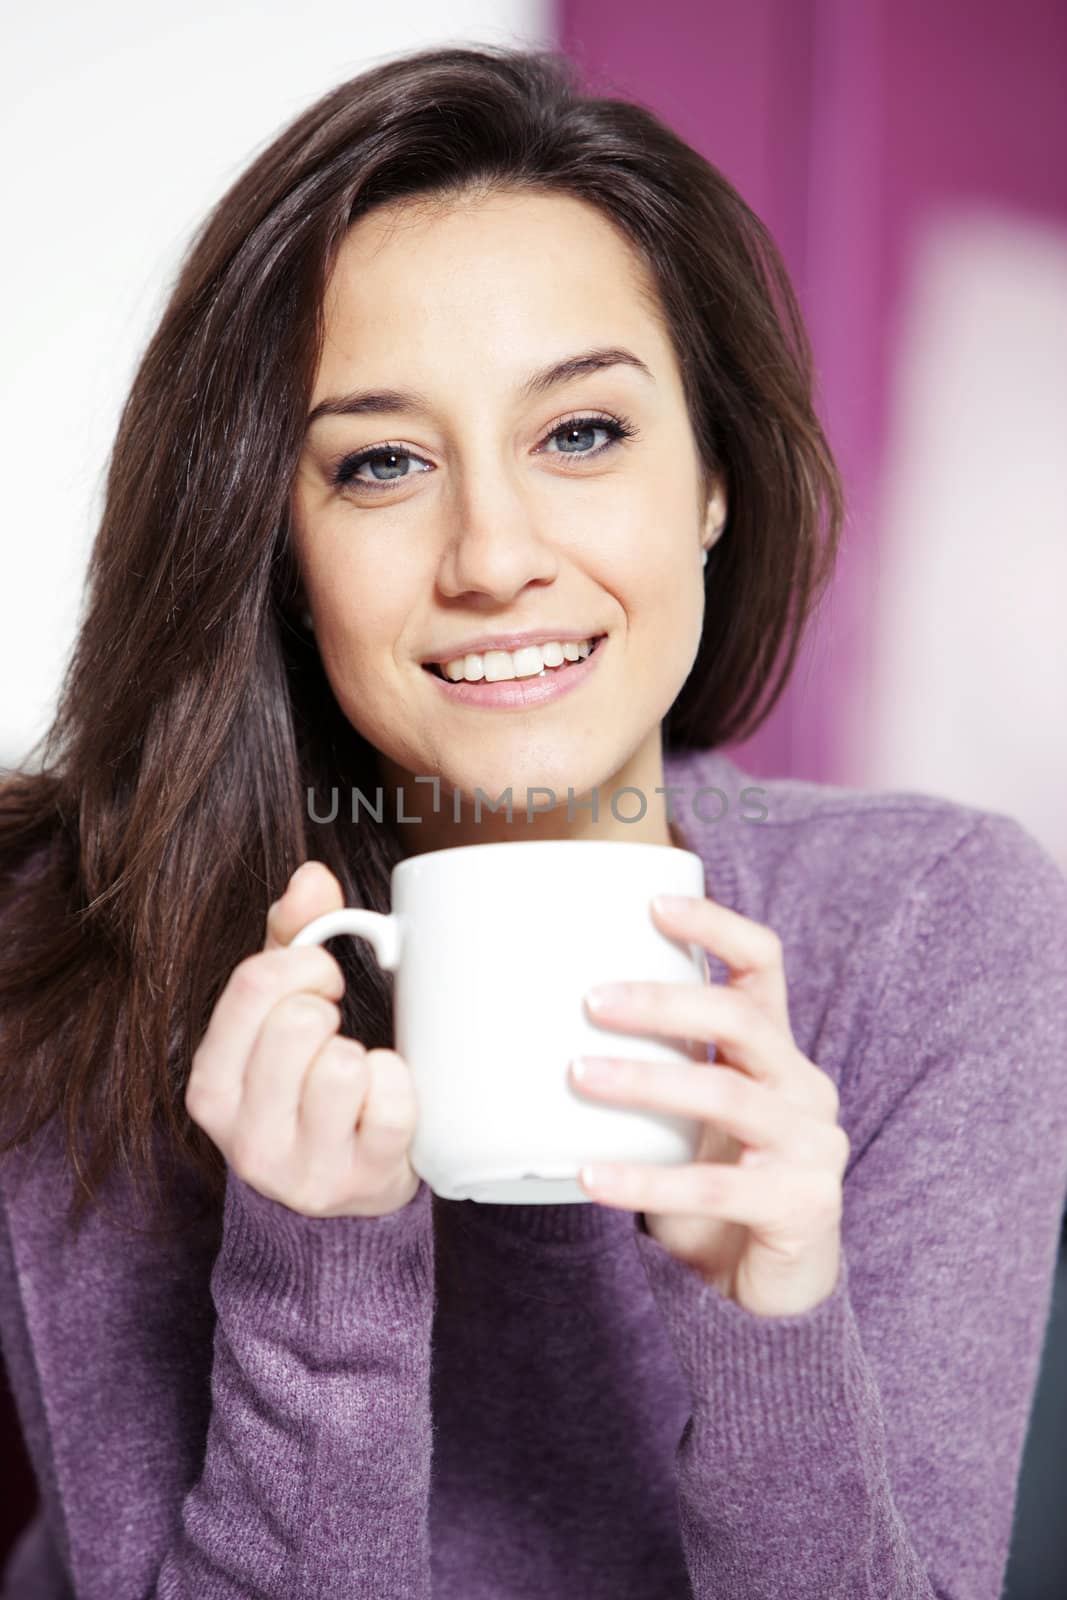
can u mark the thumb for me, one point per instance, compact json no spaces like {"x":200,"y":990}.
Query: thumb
{"x":312,"y":890}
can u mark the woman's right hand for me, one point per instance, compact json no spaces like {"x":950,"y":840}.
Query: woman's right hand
{"x":302,"y":1113}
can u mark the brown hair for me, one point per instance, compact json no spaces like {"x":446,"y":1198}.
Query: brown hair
{"x":139,"y":854}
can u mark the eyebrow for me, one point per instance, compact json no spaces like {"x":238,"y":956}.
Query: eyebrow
{"x":368,"y":402}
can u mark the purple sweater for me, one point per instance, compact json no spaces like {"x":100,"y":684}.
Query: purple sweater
{"x":484,"y":1402}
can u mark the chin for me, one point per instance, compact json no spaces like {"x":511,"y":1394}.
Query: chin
{"x":524,"y":769}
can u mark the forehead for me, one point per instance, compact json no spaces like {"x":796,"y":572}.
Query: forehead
{"x":488,"y":259}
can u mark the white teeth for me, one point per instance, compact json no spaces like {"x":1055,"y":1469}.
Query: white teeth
{"x":496,"y":666}
{"x":469,"y":667}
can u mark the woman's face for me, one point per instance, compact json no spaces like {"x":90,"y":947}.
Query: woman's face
{"x":495,"y":513}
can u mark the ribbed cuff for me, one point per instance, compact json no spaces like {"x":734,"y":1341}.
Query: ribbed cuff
{"x":329,"y":1266}
{"x":754,"y":1377}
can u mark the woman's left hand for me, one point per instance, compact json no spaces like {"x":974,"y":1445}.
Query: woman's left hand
{"x":758,"y":1213}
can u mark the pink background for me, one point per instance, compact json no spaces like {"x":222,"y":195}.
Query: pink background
{"x":851,"y":126}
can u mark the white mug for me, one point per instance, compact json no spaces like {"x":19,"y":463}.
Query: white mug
{"x":493,"y":947}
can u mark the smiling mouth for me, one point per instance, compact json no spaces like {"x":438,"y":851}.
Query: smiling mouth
{"x":525,"y":677}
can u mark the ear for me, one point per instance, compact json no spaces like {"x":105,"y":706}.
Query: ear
{"x":716,"y":513}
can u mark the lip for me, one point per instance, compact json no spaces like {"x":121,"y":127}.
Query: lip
{"x":482,"y":642}
{"x":522,"y":693}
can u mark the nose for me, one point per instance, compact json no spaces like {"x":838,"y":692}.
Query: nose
{"x":495,"y":545}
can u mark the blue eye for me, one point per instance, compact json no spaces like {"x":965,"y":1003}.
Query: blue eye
{"x":390,"y":456}
{"x":387,"y":454}
{"x":614,"y":429}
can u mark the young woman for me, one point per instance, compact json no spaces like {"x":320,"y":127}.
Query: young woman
{"x":468,"y":363}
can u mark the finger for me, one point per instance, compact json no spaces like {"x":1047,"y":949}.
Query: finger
{"x":332,"y":1096}
{"x":725,"y":1191}
{"x":311,"y":892}
{"x":743,"y":1034}
{"x":747,"y":1110}
{"x":296,"y":1029}
{"x":751,"y":952}
{"x":390,"y":1111}
{"x":256,"y":984}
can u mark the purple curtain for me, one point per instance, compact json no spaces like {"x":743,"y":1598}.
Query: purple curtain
{"x":845,"y":124}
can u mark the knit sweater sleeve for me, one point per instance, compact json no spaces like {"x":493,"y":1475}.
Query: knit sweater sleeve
{"x":304,"y":1471}
{"x":870,"y":1447}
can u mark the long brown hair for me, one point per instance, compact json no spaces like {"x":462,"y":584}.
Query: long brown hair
{"x":144,"y":837}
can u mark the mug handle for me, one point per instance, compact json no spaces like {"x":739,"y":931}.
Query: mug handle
{"x":382,"y":928}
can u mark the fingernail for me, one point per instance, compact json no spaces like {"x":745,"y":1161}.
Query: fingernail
{"x":592,"y":1069}
{"x":599,"y":1177}
{"x":605,"y":994}
{"x":671,"y":902}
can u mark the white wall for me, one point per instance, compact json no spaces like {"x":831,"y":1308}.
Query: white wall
{"x":122,"y":121}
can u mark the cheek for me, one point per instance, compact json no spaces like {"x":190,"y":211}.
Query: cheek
{"x":666,"y":611}
{"x":650,"y":537}
{"x":367,"y":613}
{"x":664,"y":579}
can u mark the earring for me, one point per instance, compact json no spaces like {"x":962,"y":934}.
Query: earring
{"x":305,"y":617}
{"x":704,"y":559}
